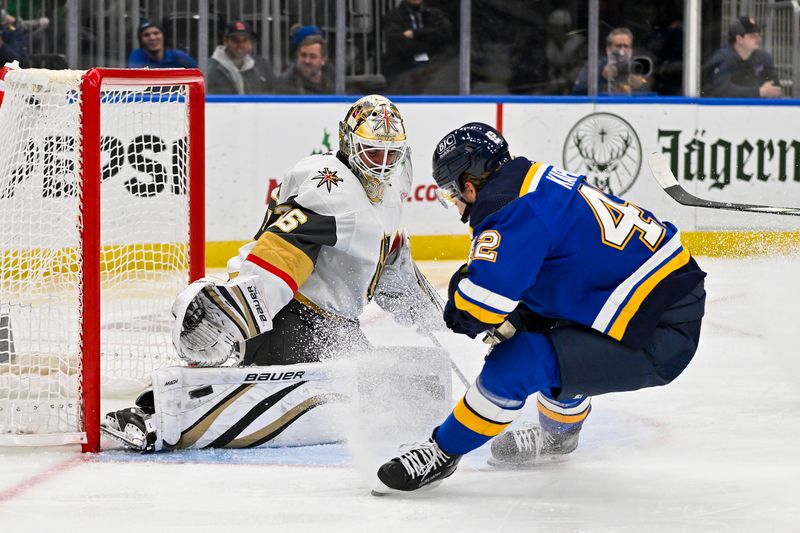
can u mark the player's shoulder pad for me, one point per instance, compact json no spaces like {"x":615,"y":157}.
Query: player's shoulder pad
{"x":326,"y":185}
{"x":501,"y":190}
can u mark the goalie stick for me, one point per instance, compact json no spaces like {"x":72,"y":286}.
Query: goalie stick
{"x":659,"y":164}
{"x":430,"y":291}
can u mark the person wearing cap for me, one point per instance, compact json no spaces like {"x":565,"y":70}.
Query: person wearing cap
{"x":742,"y":69}
{"x":310,"y":72}
{"x":152,"y":52}
{"x":298,"y":33}
{"x":233,"y":69}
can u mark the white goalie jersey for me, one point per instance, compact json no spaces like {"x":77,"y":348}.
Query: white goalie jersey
{"x":324,"y":243}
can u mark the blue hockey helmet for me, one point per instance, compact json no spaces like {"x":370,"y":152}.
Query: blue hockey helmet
{"x":472,"y":152}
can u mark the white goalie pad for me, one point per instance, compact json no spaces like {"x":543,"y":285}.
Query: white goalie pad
{"x":397,"y":391}
{"x":245,"y":407}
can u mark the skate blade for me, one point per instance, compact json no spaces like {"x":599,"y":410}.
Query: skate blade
{"x":382,"y":490}
{"x":540,"y":462}
{"x":122,"y":438}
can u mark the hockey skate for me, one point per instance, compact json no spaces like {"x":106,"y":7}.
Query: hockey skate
{"x":530,"y":444}
{"x":132,"y":427}
{"x":423,"y":464}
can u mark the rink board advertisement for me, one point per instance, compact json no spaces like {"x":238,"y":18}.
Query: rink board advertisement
{"x":737,"y":153}
{"x":250,"y":146}
{"x":718,"y":152}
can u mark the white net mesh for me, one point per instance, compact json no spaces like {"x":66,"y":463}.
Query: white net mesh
{"x":144,"y":234}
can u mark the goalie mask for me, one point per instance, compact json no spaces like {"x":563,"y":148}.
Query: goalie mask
{"x":373,"y":139}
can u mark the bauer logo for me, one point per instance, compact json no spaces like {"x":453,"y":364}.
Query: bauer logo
{"x":606,"y":149}
{"x":273,"y":376}
{"x":257,"y":303}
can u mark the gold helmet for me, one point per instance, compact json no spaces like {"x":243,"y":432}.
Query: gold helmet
{"x":373,"y":139}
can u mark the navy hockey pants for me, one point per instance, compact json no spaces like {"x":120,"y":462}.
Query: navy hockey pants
{"x":591,"y":363}
{"x":569,"y":361}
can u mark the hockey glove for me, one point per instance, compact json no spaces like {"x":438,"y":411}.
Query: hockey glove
{"x":459,"y":321}
{"x":455,"y":279}
{"x":211,"y":320}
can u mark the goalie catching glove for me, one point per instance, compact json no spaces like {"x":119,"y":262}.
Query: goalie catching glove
{"x":212,"y":320}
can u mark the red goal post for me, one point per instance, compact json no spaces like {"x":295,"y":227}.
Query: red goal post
{"x":104,"y":182}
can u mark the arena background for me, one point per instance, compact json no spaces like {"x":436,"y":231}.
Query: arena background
{"x":728,"y":150}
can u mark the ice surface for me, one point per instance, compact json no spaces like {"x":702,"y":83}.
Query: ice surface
{"x":717,"y":450}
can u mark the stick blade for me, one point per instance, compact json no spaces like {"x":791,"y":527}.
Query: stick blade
{"x":659,"y":165}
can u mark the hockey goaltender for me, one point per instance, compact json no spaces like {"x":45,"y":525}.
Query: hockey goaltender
{"x":331,"y":242}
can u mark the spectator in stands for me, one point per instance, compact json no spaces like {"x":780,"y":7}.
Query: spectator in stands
{"x":298,"y":33}
{"x":15,"y":31}
{"x":153,"y":53}
{"x":617,"y":72}
{"x":7,"y":55}
{"x":564,"y":52}
{"x":742,"y":69}
{"x":310,"y":73}
{"x":417,"y":38}
{"x":232,"y":68}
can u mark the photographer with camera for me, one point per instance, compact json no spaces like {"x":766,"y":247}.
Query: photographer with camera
{"x":620,"y":72}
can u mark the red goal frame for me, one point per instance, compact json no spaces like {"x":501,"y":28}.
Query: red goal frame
{"x":90,"y":177}
{"x":92,"y":82}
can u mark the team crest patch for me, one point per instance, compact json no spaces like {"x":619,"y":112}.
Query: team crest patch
{"x":384,"y":121}
{"x":328,"y":178}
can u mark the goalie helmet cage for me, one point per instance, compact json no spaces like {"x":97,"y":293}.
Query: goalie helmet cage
{"x":101,"y":225}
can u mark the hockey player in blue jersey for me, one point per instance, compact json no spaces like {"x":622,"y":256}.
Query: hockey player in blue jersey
{"x":581,"y":293}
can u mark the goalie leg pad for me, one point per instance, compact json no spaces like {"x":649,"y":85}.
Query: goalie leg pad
{"x":392,"y":391}
{"x":211,"y":320}
{"x":289,"y":405}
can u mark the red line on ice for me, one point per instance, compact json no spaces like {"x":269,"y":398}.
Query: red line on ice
{"x":41,"y":477}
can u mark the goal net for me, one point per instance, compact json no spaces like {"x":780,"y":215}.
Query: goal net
{"x":101,"y":224}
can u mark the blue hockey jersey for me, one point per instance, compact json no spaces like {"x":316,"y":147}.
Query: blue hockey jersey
{"x":548,"y":239}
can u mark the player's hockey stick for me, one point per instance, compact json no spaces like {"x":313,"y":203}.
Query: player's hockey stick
{"x":659,"y":164}
{"x":431,"y":292}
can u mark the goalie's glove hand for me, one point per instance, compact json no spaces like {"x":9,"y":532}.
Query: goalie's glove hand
{"x":213,"y":320}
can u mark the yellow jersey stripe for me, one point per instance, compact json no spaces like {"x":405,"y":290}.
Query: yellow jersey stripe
{"x":562,"y":418}
{"x":487,"y":317}
{"x":526,"y":183}
{"x":473,"y":422}
{"x":619,"y":326}
{"x":284,"y":256}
